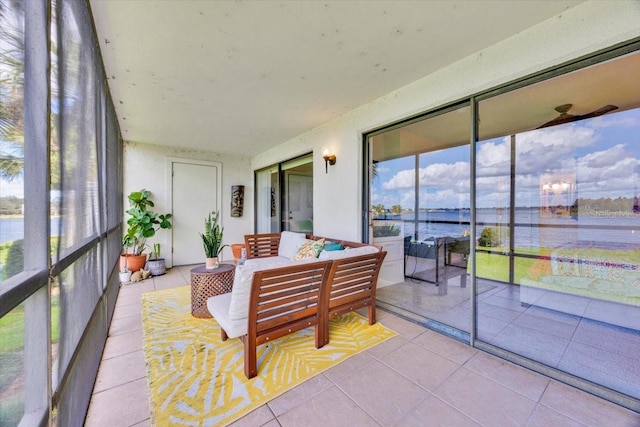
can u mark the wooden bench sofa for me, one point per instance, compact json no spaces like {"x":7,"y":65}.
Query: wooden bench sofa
{"x":273,"y":297}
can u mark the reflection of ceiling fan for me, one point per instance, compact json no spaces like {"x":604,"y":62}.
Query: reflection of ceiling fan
{"x":565,"y":117}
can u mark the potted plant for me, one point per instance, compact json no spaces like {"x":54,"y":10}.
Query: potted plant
{"x":155,"y":264}
{"x":212,"y":239}
{"x":142,"y":224}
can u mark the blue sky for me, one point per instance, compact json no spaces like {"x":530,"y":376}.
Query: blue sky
{"x":601,"y":156}
{"x":603,"y":153}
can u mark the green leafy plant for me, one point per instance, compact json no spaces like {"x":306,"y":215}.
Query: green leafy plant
{"x":212,"y":236}
{"x":142,"y":223}
{"x":385,"y":230}
{"x":493,"y":237}
{"x":155,"y":254}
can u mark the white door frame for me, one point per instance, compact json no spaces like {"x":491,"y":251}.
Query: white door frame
{"x":169,"y":186}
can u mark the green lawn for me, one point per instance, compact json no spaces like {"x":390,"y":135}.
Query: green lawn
{"x":495,"y":266}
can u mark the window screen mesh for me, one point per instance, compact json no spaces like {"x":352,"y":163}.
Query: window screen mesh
{"x":76,"y":127}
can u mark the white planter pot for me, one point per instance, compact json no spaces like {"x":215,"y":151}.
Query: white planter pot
{"x":125,"y":277}
{"x":211,"y":263}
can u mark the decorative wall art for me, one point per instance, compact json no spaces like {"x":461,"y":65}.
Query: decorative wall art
{"x":273,"y":201}
{"x":237,"y":200}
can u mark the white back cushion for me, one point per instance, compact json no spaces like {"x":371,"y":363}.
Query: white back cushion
{"x":290,"y":242}
{"x":241,"y":291}
{"x":348,"y":252}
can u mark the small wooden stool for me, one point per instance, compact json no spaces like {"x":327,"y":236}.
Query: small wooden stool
{"x":206,"y":283}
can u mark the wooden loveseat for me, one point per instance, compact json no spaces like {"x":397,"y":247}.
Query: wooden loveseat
{"x":273,"y":295}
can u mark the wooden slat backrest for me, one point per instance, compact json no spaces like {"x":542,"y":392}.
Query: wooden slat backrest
{"x":262,"y":245}
{"x":352,"y":285}
{"x":287,"y":299}
{"x":267,"y":244}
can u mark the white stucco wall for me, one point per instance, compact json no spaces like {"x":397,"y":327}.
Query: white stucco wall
{"x":145,"y":166}
{"x":585,"y":29}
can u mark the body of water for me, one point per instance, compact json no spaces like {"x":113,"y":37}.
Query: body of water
{"x":533,"y":228}
{"x":13,"y":228}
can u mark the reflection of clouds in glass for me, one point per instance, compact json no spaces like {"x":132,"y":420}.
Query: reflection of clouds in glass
{"x":600,"y":159}
{"x":569,"y":148}
{"x":447,"y":197}
{"x":603,"y":173}
{"x":382,"y":169}
{"x":407,"y":199}
{"x":388,"y":199}
{"x":437,"y":174}
{"x":612,"y":180}
{"x":402,"y":179}
{"x":616,"y":120}
{"x":492,"y":154}
{"x":536,"y":151}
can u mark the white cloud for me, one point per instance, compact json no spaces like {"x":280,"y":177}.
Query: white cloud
{"x":613,"y":121}
{"x":12,"y":188}
{"x":605,"y":158}
{"x":402,"y":179}
{"x":536,"y":151}
{"x":435,"y":175}
{"x":611,"y":172}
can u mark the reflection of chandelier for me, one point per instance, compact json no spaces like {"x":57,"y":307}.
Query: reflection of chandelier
{"x":557,"y":193}
{"x":556,"y":186}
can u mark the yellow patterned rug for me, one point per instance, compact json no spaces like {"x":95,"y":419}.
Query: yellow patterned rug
{"x":196,"y":379}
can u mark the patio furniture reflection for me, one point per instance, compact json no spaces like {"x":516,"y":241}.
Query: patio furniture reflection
{"x":432,"y":260}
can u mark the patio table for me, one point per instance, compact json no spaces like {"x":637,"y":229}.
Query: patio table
{"x":206,"y":283}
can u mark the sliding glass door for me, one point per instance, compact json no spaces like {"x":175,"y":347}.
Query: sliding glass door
{"x":268,"y":200}
{"x":420,"y":197}
{"x":559,"y":222}
{"x":284,"y":196}
{"x":297,"y":190}
{"x":525,"y":243}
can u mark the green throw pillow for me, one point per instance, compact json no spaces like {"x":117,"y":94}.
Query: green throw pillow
{"x":309,"y":249}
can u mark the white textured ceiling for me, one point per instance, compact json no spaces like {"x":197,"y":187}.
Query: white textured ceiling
{"x":241,"y":77}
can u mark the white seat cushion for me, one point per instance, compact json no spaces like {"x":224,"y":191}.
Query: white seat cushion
{"x":218,"y":306}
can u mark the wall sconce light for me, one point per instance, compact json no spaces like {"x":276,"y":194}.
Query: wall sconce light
{"x":329,"y":159}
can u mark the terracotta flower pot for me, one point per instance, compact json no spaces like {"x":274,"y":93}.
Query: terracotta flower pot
{"x":133,"y":262}
{"x":236,"y":248}
{"x":211,"y":263}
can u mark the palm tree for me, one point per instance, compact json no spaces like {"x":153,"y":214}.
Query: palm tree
{"x":12,"y":92}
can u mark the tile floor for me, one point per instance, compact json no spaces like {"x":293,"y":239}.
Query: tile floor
{"x":419,"y":378}
{"x":596,"y":351}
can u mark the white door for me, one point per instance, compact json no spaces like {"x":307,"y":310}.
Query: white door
{"x":195,"y":190}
